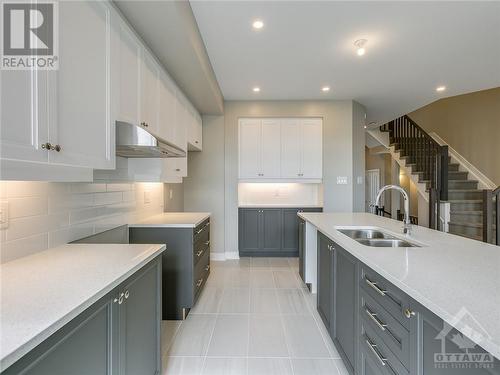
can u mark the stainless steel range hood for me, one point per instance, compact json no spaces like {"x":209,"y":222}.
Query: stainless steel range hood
{"x":133,"y":141}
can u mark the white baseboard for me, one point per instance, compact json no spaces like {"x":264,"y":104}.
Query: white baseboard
{"x":465,"y":165}
{"x":224,"y":256}
{"x":233,"y":255}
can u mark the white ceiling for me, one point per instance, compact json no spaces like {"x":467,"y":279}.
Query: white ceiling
{"x":413,"y":47}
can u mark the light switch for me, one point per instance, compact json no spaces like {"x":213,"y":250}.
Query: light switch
{"x":4,"y":214}
{"x":341,"y":180}
{"x":147,"y":197}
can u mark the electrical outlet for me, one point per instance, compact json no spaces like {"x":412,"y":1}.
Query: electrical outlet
{"x":147,"y":197}
{"x":4,"y":214}
{"x":341,"y":180}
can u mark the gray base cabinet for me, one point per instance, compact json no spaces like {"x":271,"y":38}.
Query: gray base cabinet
{"x":379,"y":330}
{"x":118,"y":335}
{"x":269,"y":231}
{"x":185,"y":264}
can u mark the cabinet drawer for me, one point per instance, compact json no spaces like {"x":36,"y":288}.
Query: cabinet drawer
{"x":199,"y":250}
{"x":394,"y":335}
{"x":201,"y":272}
{"x":376,"y":355}
{"x":391,"y":298}
{"x":201,"y":230}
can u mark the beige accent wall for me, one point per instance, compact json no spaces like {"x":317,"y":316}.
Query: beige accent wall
{"x":470,"y":124}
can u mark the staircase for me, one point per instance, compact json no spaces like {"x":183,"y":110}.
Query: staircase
{"x":430,"y":164}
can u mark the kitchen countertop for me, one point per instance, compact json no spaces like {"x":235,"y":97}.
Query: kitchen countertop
{"x":277,"y":205}
{"x":172,"y":220}
{"x":42,"y":292}
{"x":448,"y":274}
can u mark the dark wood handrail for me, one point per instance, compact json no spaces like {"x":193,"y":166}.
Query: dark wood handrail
{"x":426,"y":157}
{"x":491,"y":209}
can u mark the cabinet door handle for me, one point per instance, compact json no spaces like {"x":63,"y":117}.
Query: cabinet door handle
{"x":374,"y":318}
{"x":119,"y":299}
{"x":374,"y":286}
{"x":127,"y":294}
{"x":409,"y":313}
{"x":177,"y":169}
{"x":373,"y":349}
{"x":199,"y":253}
{"x":207,"y":242}
{"x":198,"y":283}
{"x":207,"y":267}
{"x":196,"y":142}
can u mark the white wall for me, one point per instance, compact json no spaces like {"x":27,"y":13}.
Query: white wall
{"x":48,"y":214}
{"x":285,"y":194}
{"x":204,"y":187}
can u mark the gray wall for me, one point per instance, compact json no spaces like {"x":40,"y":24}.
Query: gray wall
{"x":173,"y":197}
{"x":358,"y":156}
{"x":204,"y":188}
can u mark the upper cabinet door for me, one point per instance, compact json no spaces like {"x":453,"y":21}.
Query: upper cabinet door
{"x":150,"y":92}
{"x":80,"y":111}
{"x":290,"y":148}
{"x":194,"y":131}
{"x":166,"y":123}
{"x":181,"y":121}
{"x":311,"y":135}
{"x":271,"y":148}
{"x":129,"y":82}
{"x":23,"y":115}
{"x":250,"y":147}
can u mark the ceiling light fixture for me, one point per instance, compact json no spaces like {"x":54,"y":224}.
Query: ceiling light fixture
{"x":258,"y":24}
{"x":325,"y":88}
{"x":360,"y":45}
{"x":256,"y":89}
{"x":440,"y":88}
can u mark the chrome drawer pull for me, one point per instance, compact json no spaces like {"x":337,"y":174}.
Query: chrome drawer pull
{"x":372,"y":347}
{"x":207,"y":267}
{"x":198,"y":283}
{"x":373,"y":317}
{"x":375,"y":287}
{"x":199,"y":253}
{"x":199,"y":230}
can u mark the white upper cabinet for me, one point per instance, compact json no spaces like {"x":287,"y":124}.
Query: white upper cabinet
{"x":150,"y":93}
{"x":195,"y":132}
{"x":271,"y":144}
{"x":311,"y":136}
{"x":129,"y":66}
{"x":287,"y":149}
{"x":23,"y":115}
{"x":81,"y":118}
{"x":167,"y":124}
{"x":250,"y":148}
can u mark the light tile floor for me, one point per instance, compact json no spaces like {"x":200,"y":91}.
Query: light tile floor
{"x":254,"y":317}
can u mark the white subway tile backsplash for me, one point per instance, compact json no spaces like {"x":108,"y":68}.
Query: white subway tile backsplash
{"x":27,"y":206}
{"x":25,"y":246}
{"x":44,"y":214}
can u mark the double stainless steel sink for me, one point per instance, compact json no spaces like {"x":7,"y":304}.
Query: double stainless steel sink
{"x":375,"y":238}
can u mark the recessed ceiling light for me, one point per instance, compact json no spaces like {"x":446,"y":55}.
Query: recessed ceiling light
{"x":360,"y":45}
{"x":256,"y":89}
{"x":325,"y":88}
{"x":440,"y":88}
{"x":258,"y":24}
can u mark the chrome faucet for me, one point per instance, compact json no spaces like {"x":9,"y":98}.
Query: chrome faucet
{"x":406,"y":220}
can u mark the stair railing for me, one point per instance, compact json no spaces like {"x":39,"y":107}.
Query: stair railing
{"x":426,"y":157}
{"x":491,"y":212}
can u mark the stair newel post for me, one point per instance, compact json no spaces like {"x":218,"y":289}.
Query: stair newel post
{"x":488,"y":215}
{"x":444,"y":173}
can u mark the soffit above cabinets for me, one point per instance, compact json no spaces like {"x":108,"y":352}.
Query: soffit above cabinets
{"x":170,"y":31}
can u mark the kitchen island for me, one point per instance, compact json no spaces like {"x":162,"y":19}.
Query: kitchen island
{"x":62,"y":304}
{"x":445,"y":278}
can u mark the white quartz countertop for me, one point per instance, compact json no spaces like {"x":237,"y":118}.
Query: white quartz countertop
{"x":40,"y":293}
{"x":172,"y":220}
{"x":447,"y":275}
